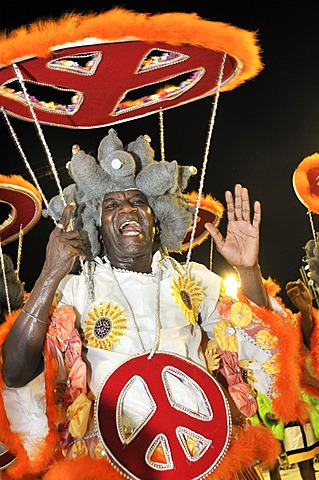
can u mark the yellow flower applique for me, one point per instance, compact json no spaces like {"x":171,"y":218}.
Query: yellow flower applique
{"x":271,"y":366}
{"x":189,"y":296}
{"x":105,"y":325}
{"x":79,"y":448}
{"x":266,"y":340}
{"x":241,"y":314}
{"x":211,"y":355}
{"x":225,"y":335}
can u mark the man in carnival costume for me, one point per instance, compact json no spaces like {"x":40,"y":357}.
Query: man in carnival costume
{"x":129,"y":334}
{"x":124,"y":212}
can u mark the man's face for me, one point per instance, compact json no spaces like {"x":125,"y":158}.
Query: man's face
{"x":127,"y":225}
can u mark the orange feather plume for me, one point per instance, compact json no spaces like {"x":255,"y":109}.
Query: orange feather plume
{"x":178,"y":28}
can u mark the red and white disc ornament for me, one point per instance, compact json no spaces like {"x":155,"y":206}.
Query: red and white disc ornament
{"x":88,"y":71}
{"x":25,"y":203}
{"x":167,"y":438}
{"x":6,"y":457}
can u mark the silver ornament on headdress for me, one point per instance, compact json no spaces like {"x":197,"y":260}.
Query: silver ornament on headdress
{"x":119,"y":168}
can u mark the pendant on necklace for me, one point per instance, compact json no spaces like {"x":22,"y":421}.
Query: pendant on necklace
{"x":189,"y":296}
{"x":105,"y":325}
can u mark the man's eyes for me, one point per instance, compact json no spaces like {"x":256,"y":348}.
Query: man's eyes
{"x":110,"y":206}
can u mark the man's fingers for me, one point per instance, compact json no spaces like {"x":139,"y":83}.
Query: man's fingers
{"x":257,"y":214}
{"x":65,"y":220}
{"x":230,"y":205}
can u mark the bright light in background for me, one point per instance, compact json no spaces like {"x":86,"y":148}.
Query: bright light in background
{"x":231,"y":286}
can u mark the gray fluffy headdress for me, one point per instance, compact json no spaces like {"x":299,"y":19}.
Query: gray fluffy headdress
{"x":120,"y":168}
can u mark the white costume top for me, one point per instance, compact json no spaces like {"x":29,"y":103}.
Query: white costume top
{"x":138,"y":294}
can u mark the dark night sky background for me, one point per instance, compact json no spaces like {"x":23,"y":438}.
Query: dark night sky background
{"x":263,"y":129}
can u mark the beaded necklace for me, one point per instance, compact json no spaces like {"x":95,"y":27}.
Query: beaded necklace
{"x":159,"y":277}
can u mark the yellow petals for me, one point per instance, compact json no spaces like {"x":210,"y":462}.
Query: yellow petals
{"x":225,"y":335}
{"x":105,"y":325}
{"x":271,"y":366}
{"x":78,"y":414}
{"x":266,"y":340}
{"x":79,"y":448}
{"x":241,"y":314}
{"x":189,"y":296}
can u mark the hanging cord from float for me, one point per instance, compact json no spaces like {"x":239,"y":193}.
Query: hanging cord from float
{"x":23,"y":156}
{"x":39,"y":131}
{"x":313,"y":230}
{"x":211,"y":253}
{"x":19,"y":255}
{"x":5,"y":279}
{"x":205,"y":161}
{"x":161,"y":128}
{"x":88,"y":277}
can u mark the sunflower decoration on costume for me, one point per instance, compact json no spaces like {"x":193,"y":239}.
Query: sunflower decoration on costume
{"x":189,"y":296}
{"x":105,"y":325}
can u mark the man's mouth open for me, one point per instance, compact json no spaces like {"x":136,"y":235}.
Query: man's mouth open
{"x":130,"y":228}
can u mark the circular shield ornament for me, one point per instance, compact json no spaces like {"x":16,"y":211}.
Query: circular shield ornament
{"x":88,"y":71}
{"x":306,"y":182}
{"x":25,"y":204}
{"x":6,"y":458}
{"x":210,"y":211}
{"x":163,"y":418}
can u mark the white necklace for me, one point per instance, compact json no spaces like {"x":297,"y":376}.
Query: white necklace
{"x":159,"y":276}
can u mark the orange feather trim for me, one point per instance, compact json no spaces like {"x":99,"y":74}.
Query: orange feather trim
{"x":23,"y":468}
{"x":314,"y":342}
{"x":288,"y":404}
{"x":310,"y":373}
{"x":82,"y":468}
{"x":301,"y":182}
{"x":5,"y":326}
{"x":208,"y":202}
{"x":177,"y":28}
{"x":247,"y":446}
{"x":255,"y":443}
{"x":21,"y":184}
{"x":271,"y":287}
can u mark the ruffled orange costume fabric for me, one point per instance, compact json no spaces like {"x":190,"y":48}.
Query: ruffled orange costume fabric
{"x":22,"y":467}
{"x":256,"y":442}
{"x":289,"y":360}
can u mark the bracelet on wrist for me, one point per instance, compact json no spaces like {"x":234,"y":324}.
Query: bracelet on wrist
{"x":34,"y":317}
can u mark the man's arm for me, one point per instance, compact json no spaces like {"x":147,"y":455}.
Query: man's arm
{"x":22,"y":353}
{"x":301,"y":299}
{"x":240,"y":247}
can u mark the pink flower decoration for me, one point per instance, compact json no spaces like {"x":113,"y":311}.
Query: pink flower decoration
{"x":230,"y":367}
{"x":62,"y":325}
{"x":223,"y":307}
{"x":243,"y":399}
{"x":74,"y":348}
{"x":77,"y":381}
